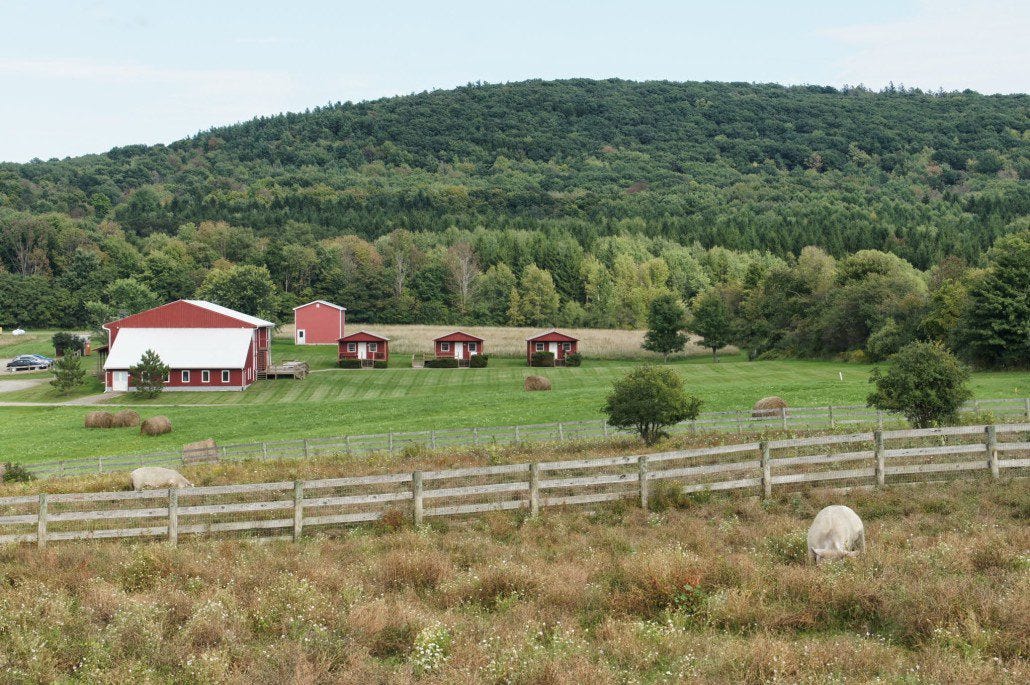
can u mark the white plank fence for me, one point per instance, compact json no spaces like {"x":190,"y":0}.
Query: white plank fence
{"x":807,"y":418}
{"x":290,"y":509}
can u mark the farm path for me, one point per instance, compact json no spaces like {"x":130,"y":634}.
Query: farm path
{"x":20,"y":384}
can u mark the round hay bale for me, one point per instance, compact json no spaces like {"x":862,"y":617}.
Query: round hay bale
{"x":155,"y":425}
{"x":536,"y":383}
{"x":768,"y":406}
{"x":99,"y":419}
{"x":126,"y":418}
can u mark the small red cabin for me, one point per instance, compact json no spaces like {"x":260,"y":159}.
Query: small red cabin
{"x":554,"y":342}
{"x":318,"y":323}
{"x":365,"y":346}
{"x":459,"y":345}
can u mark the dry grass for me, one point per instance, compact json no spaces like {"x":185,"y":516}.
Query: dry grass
{"x":713,"y":592}
{"x":506,"y":341}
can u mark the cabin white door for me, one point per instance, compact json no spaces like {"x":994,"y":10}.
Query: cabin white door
{"x":300,"y":336}
{"x":120,"y":381}
{"x":459,"y":350}
{"x":553,"y":349}
{"x":362,"y":350}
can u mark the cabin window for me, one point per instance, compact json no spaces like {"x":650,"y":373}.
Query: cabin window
{"x":473,"y":347}
{"x":168,"y":377}
{"x":185,"y":376}
{"x":445,"y":347}
{"x":205,"y":376}
{"x":373,"y":347}
{"x":225,"y":376}
{"x":567,"y":347}
{"x":352,"y":347}
{"x":539,"y":347}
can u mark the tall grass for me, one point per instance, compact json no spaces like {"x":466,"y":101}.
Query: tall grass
{"x":713,"y":592}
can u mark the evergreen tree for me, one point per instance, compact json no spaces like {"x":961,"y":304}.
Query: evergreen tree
{"x":149,"y":375}
{"x":666,"y":320}
{"x":68,"y":372}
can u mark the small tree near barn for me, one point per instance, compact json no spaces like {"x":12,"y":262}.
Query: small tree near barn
{"x":149,"y":375}
{"x":649,"y":399}
{"x":925,"y":382}
{"x":68,"y":372}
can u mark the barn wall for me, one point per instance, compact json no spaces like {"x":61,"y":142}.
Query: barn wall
{"x":322,"y":325}
{"x":175,"y":315}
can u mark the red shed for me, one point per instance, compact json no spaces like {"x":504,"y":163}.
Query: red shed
{"x":365,"y":346}
{"x":459,"y":345}
{"x":318,"y":323}
{"x":206,"y":346}
{"x":552,"y":341}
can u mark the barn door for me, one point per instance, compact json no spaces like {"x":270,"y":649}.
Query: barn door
{"x":300,"y":336}
{"x":120,"y":381}
{"x":459,"y":350}
{"x":553,"y":348}
{"x":362,"y":350}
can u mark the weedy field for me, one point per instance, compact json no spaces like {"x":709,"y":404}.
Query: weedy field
{"x":714,"y":591}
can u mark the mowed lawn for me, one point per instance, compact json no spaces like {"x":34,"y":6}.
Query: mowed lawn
{"x":339,"y":402}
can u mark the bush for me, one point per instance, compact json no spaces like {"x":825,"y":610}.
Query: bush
{"x":542,"y":359}
{"x":925,"y":382}
{"x":16,"y":473}
{"x":67,"y":342}
{"x":479,"y":361}
{"x":648,"y":399}
{"x":441,"y":363}
{"x":573,"y":359}
{"x":380,"y":364}
{"x":349,"y":363}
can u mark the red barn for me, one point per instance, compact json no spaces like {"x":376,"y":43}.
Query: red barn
{"x":554,"y":342}
{"x":318,"y":323}
{"x":365,"y":346}
{"x":206,"y":346}
{"x":459,"y":345}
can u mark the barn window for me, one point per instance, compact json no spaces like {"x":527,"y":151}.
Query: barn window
{"x":205,"y":376}
{"x":225,"y":376}
{"x":539,"y":347}
{"x":168,"y":377}
{"x":185,"y":376}
{"x":566,"y":346}
{"x":352,"y":347}
{"x":445,"y":347}
{"x":373,"y":347}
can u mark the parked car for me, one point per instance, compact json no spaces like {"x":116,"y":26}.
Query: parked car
{"x":27,"y":361}
{"x":41,"y":357}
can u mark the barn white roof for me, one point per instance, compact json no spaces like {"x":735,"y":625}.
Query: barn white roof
{"x":246,"y":318}
{"x":327,"y":304}
{"x":182,"y":348}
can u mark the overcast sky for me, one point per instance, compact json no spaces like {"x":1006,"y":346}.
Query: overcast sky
{"x":79,"y":77}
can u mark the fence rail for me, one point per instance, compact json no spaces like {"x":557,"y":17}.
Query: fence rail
{"x":289,"y":509}
{"x":822,"y":417}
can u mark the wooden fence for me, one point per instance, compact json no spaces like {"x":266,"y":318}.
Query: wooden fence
{"x":290,"y":509}
{"x":807,"y":418}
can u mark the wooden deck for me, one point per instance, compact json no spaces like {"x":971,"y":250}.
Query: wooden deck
{"x":292,"y":369}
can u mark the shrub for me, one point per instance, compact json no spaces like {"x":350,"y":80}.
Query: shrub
{"x":479,"y":361}
{"x":349,"y":363}
{"x":542,"y":359}
{"x":925,"y":382}
{"x":16,"y":473}
{"x":67,"y":342}
{"x":380,"y":364}
{"x":648,"y":399}
{"x":441,"y":363}
{"x":573,"y":359}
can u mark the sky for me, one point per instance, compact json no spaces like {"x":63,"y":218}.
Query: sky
{"x":84,"y":76}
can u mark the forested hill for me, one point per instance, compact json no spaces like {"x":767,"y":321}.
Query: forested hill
{"x":737,"y":165}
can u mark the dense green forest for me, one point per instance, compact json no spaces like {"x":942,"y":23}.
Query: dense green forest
{"x":564,"y":202}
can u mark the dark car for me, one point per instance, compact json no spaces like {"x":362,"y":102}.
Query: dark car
{"x":26,"y":362}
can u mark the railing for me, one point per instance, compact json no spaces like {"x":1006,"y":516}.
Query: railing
{"x":292,"y":508}
{"x":802,"y":418}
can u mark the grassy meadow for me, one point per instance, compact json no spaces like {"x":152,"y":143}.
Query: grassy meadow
{"x":333,"y":401}
{"x":715,"y":592}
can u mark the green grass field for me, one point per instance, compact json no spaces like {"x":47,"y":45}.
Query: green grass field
{"x":338,"y":402}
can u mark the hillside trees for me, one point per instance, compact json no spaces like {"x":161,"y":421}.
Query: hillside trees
{"x":666,"y":320}
{"x":246,"y":288}
{"x":711,"y":321}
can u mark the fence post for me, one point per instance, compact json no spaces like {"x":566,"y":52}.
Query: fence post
{"x":516,"y":433}
{"x":881,"y":459}
{"x":991,"y":440}
{"x":783,"y":416}
{"x":173,"y":516}
{"x":391,"y":442}
{"x":642,"y":475}
{"x":534,"y":489}
{"x":298,"y":510}
{"x":604,"y":427}
{"x":416,"y":495}
{"x":740,"y":427}
{"x":561,"y":432}
{"x":264,"y":450}
{"x":347,"y":441}
{"x":305,"y":448}
{"x":833,"y":424}
{"x":100,"y":464}
{"x":879,"y":419}
{"x":41,"y":522}
{"x":766,"y":469}
{"x":1026,"y":409}
{"x":475,"y":435}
